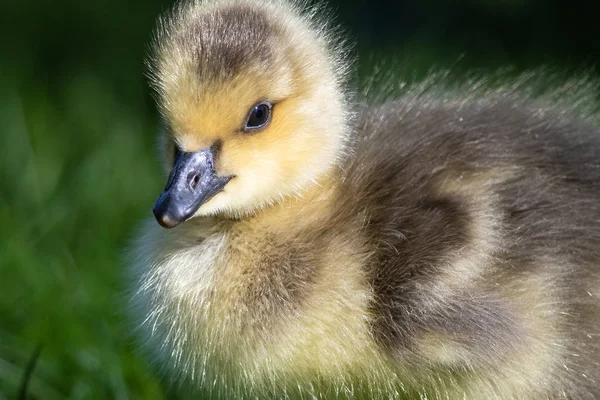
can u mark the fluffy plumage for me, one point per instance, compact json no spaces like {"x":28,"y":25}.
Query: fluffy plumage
{"x":444,"y":244}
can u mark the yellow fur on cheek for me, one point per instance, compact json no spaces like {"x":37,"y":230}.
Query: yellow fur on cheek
{"x":264,"y":167}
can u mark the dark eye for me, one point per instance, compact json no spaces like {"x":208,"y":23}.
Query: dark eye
{"x":259,"y":117}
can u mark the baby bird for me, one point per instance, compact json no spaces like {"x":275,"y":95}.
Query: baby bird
{"x":435,"y":246}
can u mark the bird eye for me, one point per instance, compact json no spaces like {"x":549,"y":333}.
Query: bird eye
{"x":259,"y":117}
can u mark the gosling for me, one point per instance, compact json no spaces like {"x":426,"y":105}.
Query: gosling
{"x":442,"y":245}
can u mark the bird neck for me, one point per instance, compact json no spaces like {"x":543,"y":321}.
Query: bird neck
{"x":312,"y":205}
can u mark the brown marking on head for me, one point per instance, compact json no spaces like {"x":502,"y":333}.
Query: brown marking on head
{"x":226,"y":41}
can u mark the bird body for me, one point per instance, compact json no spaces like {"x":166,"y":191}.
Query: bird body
{"x":439,"y":245}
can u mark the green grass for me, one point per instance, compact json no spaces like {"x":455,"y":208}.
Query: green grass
{"x":73,"y":186}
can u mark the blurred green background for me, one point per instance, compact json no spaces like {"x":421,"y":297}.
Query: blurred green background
{"x":78,"y":166}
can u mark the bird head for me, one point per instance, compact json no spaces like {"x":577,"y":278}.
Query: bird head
{"x":251,"y":94}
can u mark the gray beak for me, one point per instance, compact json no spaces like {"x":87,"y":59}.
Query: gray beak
{"x":192,"y":182}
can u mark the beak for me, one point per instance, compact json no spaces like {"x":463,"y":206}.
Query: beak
{"x":192,"y":182}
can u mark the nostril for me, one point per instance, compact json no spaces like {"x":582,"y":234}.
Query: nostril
{"x":194,"y":182}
